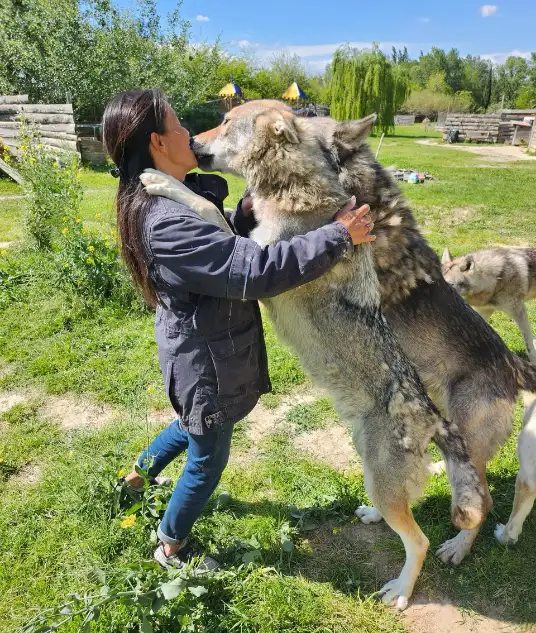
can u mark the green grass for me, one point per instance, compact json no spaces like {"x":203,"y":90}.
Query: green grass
{"x":54,"y":532}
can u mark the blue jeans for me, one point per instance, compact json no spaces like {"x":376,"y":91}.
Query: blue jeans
{"x":207,"y":457}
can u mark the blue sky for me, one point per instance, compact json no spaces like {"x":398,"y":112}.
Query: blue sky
{"x":313,"y":29}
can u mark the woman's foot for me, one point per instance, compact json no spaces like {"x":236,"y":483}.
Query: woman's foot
{"x":181,"y":556}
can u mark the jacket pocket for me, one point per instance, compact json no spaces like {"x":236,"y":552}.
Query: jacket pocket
{"x":171,"y":388}
{"x":235,"y":355}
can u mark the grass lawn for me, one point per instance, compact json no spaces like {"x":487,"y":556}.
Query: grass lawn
{"x":305,"y":569}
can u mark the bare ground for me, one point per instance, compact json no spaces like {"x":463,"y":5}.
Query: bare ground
{"x":493,"y":153}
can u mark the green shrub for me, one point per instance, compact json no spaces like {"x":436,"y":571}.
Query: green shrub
{"x":53,"y":189}
{"x":90,"y":265}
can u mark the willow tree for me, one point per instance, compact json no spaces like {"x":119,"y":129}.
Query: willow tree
{"x":367,"y":82}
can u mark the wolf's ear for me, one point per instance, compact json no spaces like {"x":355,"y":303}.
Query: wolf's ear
{"x":467,"y":265}
{"x":447,"y":257}
{"x":349,"y":135}
{"x":280,"y":124}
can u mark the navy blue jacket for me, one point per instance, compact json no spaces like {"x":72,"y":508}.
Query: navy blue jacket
{"x":208,"y":323}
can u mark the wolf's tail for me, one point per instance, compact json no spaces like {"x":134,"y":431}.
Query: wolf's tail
{"x":525,"y":374}
{"x":467,"y":508}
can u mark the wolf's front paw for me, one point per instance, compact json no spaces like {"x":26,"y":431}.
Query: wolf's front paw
{"x":395,"y":594}
{"x":368,"y":514}
{"x":502,"y":536}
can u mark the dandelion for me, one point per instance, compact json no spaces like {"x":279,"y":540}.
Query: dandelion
{"x":65,"y":230}
{"x":1,"y":459}
{"x":337,"y":530}
{"x":90,"y":261}
{"x":128,"y":522}
{"x":84,"y":231}
{"x":78,"y":220}
{"x":97,"y":215}
{"x":40,"y":146}
{"x":122,"y":472}
{"x":91,"y":248}
{"x":150,"y":389}
{"x":23,"y":148}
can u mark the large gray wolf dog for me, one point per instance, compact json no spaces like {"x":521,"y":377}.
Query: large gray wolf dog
{"x":336,"y":326}
{"x":496,"y":279}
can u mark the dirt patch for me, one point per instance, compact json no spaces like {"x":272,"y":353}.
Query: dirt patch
{"x":9,"y":399}
{"x":441,"y":616}
{"x":332,"y":446}
{"x":28,"y":475}
{"x":493,"y":153}
{"x":71,"y":413}
{"x":263,"y":421}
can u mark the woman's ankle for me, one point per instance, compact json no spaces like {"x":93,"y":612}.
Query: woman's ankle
{"x":134,"y":480}
{"x":172,"y":549}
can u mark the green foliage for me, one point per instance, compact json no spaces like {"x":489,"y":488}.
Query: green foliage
{"x":363,"y":83}
{"x":309,"y":417}
{"x":89,"y":265}
{"x":53,"y":190}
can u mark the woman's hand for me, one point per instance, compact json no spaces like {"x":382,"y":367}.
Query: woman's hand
{"x":357,"y":222}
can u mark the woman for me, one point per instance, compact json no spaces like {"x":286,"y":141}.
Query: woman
{"x":205,"y":285}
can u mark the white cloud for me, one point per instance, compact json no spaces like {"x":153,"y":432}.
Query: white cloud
{"x":500,"y":58}
{"x":487,"y":10}
{"x":423,"y":20}
{"x":202,"y":18}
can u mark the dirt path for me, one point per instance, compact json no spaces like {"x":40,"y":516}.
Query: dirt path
{"x":493,"y":153}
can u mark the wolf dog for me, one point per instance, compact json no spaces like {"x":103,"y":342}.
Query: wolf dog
{"x":336,"y":325}
{"x":496,"y":279}
{"x":465,"y":366}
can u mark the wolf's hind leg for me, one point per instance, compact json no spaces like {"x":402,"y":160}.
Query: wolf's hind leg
{"x":398,"y":516}
{"x":525,"y":494}
{"x":518,"y":313}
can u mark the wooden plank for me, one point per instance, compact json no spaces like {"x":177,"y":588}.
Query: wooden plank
{"x":14,"y":99}
{"x":41,"y":118}
{"x":69,"y":128}
{"x":12,"y":173}
{"x":37,"y":108}
{"x":62,"y":144}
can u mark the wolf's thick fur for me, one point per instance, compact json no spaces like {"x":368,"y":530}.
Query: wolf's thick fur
{"x":468,"y":370}
{"x":464,"y":364}
{"x":496,"y":279}
{"x":336,"y":326}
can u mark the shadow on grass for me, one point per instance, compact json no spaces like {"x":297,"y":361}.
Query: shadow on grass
{"x":494,"y":581}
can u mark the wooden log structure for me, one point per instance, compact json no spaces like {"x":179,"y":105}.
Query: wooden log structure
{"x":14,"y":99}
{"x":404,"y":119}
{"x":476,"y":127}
{"x":55,"y":123}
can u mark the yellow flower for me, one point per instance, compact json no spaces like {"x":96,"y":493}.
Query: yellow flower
{"x":91,"y":248}
{"x":40,"y":146}
{"x":1,"y":459}
{"x":150,"y":389}
{"x":78,"y":220}
{"x":65,"y":231}
{"x":84,"y":231}
{"x":23,"y":148}
{"x":90,"y":260}
{"x":122,"y":472}
{"x":31,"y":160}
{"x":97,"y":215}
{"x":337,"y":530}
{"x":66,"y":265}
{"x":129,"y":521}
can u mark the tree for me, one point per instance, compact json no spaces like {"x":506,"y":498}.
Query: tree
{"x":510,"y":79}
{"x":366,"y":82}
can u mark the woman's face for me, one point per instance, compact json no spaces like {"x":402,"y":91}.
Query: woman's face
{"x":174,"y":149}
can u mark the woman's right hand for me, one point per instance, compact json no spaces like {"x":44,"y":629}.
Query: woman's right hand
{"x":357,"y":222}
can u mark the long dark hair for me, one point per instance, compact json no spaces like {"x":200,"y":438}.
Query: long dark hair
{"x":128,"y":122}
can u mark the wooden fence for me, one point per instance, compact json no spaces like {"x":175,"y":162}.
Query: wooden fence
{"x":55,"y":121}
{"x":476,"y":127}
